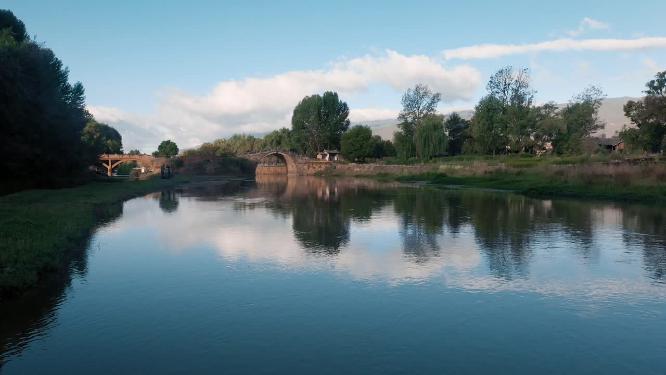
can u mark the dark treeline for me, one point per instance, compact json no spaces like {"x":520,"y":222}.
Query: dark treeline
{"x":49,"y":138}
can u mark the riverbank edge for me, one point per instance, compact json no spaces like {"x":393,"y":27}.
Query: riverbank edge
{"x":39,"y":229}
{"x":537,"y":186}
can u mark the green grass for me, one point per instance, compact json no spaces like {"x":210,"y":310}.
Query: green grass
{"x":39,"y":229}
{"x":543,"y":185}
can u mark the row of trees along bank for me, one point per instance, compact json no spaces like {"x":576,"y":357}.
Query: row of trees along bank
{"x":505,"y":121}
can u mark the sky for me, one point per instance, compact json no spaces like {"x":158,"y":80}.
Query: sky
{"x":194,"y":71}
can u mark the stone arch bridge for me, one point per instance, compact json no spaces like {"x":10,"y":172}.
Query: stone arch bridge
{"x":286,"y":163}
{"x":268,"y":163}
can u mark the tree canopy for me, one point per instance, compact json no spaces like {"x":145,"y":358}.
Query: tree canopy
{"x":649,"y":116}
{"x":457,"y":129}
{"x":278,"y":140}
{"x":417,"y":103}
{"x":167,"y":149}
{"x":430,"y":139}
{"x":504,"y":119}
{"x":42,"y":114}
{"x":102,"y":138}
{"x":580,"y":118}
{"x":14,"y":27}
{"x":357,"y":143}
{"x":318,"y":123}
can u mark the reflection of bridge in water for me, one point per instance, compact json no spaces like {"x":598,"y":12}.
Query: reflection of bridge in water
{"x":112,"y":161}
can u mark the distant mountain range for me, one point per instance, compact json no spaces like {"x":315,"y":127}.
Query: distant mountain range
{"x":611,"y":112}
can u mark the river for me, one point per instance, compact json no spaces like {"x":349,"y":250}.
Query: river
{"x":307,"y":275}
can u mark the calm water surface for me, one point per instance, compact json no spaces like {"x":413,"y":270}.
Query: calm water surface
{"x":347,"y":276}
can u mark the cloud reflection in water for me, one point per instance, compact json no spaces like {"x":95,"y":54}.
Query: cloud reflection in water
{"x":372,"y":232}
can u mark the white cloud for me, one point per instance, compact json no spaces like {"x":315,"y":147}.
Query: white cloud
{"x":372,"y":114}
{"x":257,"y":105}
{"x":587,"y":24}
{"x":490,"y":51}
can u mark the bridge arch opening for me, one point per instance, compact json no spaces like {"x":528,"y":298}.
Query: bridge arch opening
{"x":276,"y":163}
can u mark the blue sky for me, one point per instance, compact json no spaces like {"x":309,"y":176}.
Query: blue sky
{"x":198,"y":70}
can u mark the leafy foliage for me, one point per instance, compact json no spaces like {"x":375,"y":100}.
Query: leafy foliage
{"x":430,"y":139}
{"x":167,"y":149}
{"x":489,"y":127}
{"x":42,"y":115}
{"x":318,"y":123}
{"x":457,"y":129}
{"x":14,"y":26}
{"x":358,"y":143}
{"x":417,"y":104}
{"x":278,"y":140}
{"x":580,"y":120}
{"x":504,"y":120}
{"x":649,"y":116}
{"x":102,"y":138}
{"x":382,"y":148}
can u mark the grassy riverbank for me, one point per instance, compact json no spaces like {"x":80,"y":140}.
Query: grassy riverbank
{"x":620,"y":182}
{"x":40,"y":228}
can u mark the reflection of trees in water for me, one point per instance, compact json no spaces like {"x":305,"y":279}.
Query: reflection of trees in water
{"x":33,"y":313}
{"x":321,"y":221}
{"x":646,"y":227}
{"x":320,"y":225}
{"x":168,"y":201}
{"x":422,"y":219}
{"x":456,"y":215}
{"x":577,"y":221}
{"x":504,"y":225}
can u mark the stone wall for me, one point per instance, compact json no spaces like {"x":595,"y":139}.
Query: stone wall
{"x":319,"y":167}
{"x":353,"y":169}
{"x":314,"y":167}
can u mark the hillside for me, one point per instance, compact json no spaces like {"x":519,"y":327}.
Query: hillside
{"x":611,"y":112}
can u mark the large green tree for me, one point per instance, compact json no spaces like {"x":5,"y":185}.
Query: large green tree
{"x":167,"y":149}
{"x":429,"y":138}
{"x":102,"y":138}
{"x":318,"y":123}
{"x":580,"y":118}
{"x":358,"y":143}
{"x":488,"y":127}
{"x":417,"y":103}
{"x":457,"y":129}
{"x":42,"y":115}
{"x":649,"y":116}
{"x":382,"y":148}
{"x":512,"y":89}
{"x":549,"y":125}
